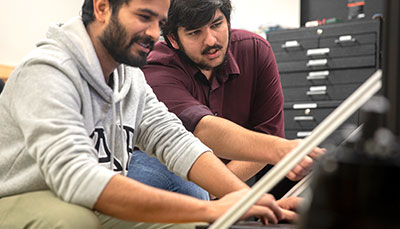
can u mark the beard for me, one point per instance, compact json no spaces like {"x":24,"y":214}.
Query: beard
{"x":115,"y":41}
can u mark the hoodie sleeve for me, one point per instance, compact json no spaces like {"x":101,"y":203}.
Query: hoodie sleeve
{"x":162,"y":134}
{"x":46,"y":105}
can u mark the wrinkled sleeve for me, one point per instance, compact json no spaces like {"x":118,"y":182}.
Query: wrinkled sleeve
{"x":162,"y":134}
{"x":47,"y":105}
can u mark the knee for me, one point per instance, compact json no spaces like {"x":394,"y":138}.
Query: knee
{"x":72,"y":216}
{"x":80,"y":218}
{"x":42,"y":209}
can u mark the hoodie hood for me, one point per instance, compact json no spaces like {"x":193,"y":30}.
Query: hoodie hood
{"x":73,"y":38}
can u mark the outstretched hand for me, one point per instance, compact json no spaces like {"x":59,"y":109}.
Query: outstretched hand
{"x":304,"y":167}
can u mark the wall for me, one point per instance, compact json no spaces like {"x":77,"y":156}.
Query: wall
{"x":23,"y":22}
{"x":250,"y":14}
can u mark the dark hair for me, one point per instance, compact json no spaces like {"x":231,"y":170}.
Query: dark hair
{"x":192,"y":14}
{"x":87,"y":9}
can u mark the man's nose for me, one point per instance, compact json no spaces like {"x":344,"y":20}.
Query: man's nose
{"x":210,"y":37}
{"x":153,"y":31}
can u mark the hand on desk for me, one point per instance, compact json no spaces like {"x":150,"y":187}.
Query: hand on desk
{"x":288,"y":207}
{"x":266,"y":208}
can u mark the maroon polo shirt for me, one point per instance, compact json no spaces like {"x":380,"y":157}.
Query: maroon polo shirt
{"x":246,"y":90}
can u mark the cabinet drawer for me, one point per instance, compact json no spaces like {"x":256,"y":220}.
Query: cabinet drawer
{"x":324,"y":31}
{"x":293,"y":46}
{"x":336,"y":138}
{"x":319,"y":92}
{"x":326,"y":77}
{"x":327,"y":63}
{"x":338,"y":35}
{"x":308,"y":119}
{"x":350,"y":28}
{"x":343,"y":51}
{"x":348,"y":40}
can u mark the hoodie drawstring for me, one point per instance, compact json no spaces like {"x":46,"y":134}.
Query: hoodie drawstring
{"x":116,"y":103}
{"x":112,"y":133}
{"x":124,"y":163}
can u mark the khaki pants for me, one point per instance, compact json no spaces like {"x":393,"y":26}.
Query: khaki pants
{"x":42,"y":209}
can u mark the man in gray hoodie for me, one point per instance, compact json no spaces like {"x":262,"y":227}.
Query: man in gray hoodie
{"x":70,"y":116}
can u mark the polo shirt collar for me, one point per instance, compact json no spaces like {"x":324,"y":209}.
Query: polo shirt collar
{"x":231,"y":66}
{"x":230,"y":69}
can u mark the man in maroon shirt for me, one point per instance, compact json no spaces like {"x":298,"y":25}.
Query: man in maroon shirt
{"x":224,"y":85}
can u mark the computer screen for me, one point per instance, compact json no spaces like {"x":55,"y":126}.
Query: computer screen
{"x":391,"y":63}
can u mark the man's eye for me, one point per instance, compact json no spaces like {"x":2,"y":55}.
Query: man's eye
{"x":144,"y":17}
{"x":193,"y":33}
{"x":216,"y":25}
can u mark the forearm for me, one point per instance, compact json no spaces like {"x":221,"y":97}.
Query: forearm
{"x":211,"y":174}
{"x":127,"y":199}
{"x":231,"y":141}
{"x":244,"y":170}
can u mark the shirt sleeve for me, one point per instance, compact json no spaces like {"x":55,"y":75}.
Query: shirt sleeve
{"x":174,"y":88}
{"x":47,"y":109}
{"x":161,"y":133}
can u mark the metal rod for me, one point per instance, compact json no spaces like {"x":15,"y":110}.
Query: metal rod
{"x":323,"y":130}
{"x":306,"y":181}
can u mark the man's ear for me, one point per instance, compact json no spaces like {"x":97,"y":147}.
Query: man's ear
{"x":173,"y":41}
{"x":101,"y":10}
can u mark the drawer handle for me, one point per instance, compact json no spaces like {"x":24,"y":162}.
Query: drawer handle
{"x":345,"y":39}
{"x":303,"y":118}
{"x":304,"y":106}
{"x":322,"y":75}
{"x":291,"y":44}
{"x":318,"y":52}
{"x":302,"y":134}
{"x":317,"y":90}
{"x":315,"y":63}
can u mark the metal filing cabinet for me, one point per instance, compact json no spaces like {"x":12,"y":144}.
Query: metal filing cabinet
{"x":320,"y":67}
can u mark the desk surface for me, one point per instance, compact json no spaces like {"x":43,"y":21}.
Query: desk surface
{"x":5,"y":71}
{"x":255,"y":225}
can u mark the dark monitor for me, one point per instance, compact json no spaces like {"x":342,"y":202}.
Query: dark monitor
{"x":391,"y":63}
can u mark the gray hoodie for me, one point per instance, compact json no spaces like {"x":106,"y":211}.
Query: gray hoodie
{"x":62,"y":126}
